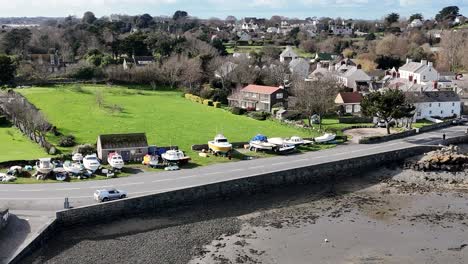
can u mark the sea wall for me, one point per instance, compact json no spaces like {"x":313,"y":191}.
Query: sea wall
{"x":152,"y":204}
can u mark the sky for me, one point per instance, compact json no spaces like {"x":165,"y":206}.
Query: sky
{"x":365,"y":9}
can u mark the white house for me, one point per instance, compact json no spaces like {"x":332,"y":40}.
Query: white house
{"x":441,"y":104}
{"x":288,"y":55}
{"x":299,"y":67}
{"x":349,"y":102}
{"x":416,"y":23}
{"x":419,"y":73}
{"x":272,"y":30}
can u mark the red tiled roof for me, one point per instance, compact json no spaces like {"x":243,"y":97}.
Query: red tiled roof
{"x":260,"y":89}
{"x":351,"y":98}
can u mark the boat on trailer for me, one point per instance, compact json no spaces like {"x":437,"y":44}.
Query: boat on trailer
{"x":260,"y":142}
{"x":220,"y":145}
{"x":44,"y":166}
{"x":298,"y":141}
{"x":91,"y":163}
{"x":325,"y":138}
{"x":115,"y":160}
{"x":174,"y":156}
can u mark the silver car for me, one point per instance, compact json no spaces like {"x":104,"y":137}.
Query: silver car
{"x":109,"y":194}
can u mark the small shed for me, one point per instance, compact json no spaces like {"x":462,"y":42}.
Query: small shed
{"x":132,"y":147}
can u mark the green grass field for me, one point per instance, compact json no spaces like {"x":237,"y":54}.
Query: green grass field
{"x":15,"y":146}
{"x":165,"y":116}
{"x":248,"y":49}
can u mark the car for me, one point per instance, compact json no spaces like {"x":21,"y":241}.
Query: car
{"x":109,"y":194}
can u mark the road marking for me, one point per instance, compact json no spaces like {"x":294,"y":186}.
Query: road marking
{"x":133,"y":183}
{"x":236,"y":170}
{"x":68,"y":189}
{"x":257,"y":167}
{"x":40,"y":190}
{"x":211,"y":173}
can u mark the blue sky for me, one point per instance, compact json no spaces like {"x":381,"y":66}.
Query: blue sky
{"x":368,"y":9}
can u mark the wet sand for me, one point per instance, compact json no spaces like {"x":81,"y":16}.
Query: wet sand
{"x":387,"y":216}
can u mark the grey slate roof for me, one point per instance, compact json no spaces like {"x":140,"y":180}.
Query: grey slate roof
{"x":116,"y":141}
{"x":435,"y":96}
{"x":412,"y":67}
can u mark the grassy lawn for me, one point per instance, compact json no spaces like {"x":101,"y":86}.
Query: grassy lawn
{"x":15,"y":146}
{"x":165,"y":116}
{"x":422,"y":123}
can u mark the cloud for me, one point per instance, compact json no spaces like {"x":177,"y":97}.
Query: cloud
{"x":335,"y":3}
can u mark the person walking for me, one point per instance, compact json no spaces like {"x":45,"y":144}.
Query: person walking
{"x":443,"y":136}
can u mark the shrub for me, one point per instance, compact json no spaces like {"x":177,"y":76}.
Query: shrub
{"x":259,"y":115}
{"x":85,"y":149}
{"x":207,"y":93}
{"x":67,"y":141}
{"x":217,"y":104}
{"x":208,"y":102}
{"x":293,"y":115}
{"x":251,"y":109}
{"x":3,"y":120}
{"x":237,"y":110}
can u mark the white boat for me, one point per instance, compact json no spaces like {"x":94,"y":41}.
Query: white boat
{"x":73,"y":167}
{"x":220,"y":144}
{"x":174,"y":156}
{"x":298,"y":141}
{"x":91,"y":163}
{"x":261,"y":142}
{"x":115,"y":160}
{"x":77,"y":157}
{"x":281,"y":145}
{"x":325,"y":138}
{"x":60,"y":174}
{"x":44,"y":166}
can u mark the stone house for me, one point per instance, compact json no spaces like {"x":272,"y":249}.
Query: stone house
{"x":258,"y":97}
{"x":288,"y":55}
{"x":132,"y":147}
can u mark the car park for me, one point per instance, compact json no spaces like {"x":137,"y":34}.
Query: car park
{"x":109,"y":194}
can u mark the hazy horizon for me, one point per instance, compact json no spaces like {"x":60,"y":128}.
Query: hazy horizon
{"x":356,"y":9}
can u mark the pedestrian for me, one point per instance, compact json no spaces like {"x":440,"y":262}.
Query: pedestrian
{"x":443,"y":136}
{"x":466,"y":131}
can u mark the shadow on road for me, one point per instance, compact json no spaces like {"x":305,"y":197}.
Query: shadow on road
{"x":13,"y":236}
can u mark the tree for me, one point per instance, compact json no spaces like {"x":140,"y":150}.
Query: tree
{"x":88,"y":18}
{"x":387,"y":105}
{"x":231,"y":19}
{"x":179,"y":15}
{"x":7,"y":70}
{"x":370,"y":36}
{"x":17,"y":40}
{"x":316,"y":97}
{"x":447,"y":13}
{"x":391,"y":18}
{"x":452,"y":52}
{"x":218,"y":44}
{"x":144,"y":21}
{"x":415,"y":16}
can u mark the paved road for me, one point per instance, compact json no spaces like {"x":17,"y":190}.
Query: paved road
{"x":51,"y":196}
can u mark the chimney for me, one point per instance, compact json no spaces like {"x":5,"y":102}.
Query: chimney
{"x":430,"y":64}
{"x":319,"y":65}
{"x":408,"y":60}
{"x":331,"y":67}
{"x":423,"y":62}
{"x":359,"y":66}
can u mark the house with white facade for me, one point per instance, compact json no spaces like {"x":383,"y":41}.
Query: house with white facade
{"x":288,"y":55}
{"x":350,"y":103}
{"x":349,"y":74}
{"x":419,"y":72}
{"x":416,"y":23}
{"x":429,"y":104}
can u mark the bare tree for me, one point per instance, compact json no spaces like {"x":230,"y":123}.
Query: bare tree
{"x":316,"y":97}
{"x":451,"y":54}
{"x":173,"y":68}
{"x":192,"y":73}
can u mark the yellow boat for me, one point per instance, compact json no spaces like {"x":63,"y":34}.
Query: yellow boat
{"x":220,"y":145}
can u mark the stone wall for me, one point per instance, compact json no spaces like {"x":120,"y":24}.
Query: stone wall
{"x":435,"y":126}
{"x":152,"y":204}
{"x":381,"y":139}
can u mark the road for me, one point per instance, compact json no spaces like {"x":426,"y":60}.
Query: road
{"x":50,"y":197}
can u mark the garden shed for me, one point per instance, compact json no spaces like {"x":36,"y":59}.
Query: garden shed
{"x":132,"y":147}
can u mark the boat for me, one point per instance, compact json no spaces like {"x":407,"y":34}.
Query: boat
{"x":298,"y":141}
{"x":151,"y":161}
{"x":91,"y":163}
{"x":44,"y":166}
{"x":220,"y":144}
{"x":325,"y":138}
{"x":60,"y":174}
{"x":73,"y":167}
{"x":260,"y":142}
{"x":115,"y":160}
{"x":175,"y":156}
{"x":77,"y":157}
{"x":281,"y":145}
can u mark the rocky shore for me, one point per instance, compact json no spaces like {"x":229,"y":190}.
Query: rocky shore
{"x":392,"y":215}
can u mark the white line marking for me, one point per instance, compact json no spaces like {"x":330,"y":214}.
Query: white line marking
{"x":68,"y":189}
{"x":257,"y":167}
{"x":40,"y":190}
{"x":133,"y":183}
{"x":236,"y":170}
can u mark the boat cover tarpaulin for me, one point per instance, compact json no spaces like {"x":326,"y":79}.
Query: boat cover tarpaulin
{"x":260,"y":137}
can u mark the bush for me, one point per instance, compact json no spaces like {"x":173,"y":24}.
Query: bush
{"x":217,"y":104}
{"x":259,"y":115}
{"x":67,"y":141}
{"x":251,"y":109}
{"x":207,"y":93}
{"x":85,"y":149}
{"x":237,"y":110}
{"x":293,"y":115}
{"x":3,"y":120}
{"x":208,"y":102}
{"x":86,"y":72}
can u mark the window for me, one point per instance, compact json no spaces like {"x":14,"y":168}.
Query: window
{"x":279,"y":96}
{"x":419,"y":113}
{"x":453,"y":104}
{"x":430,"y":112}
{"x":424,"y":77}
{"x":441,"y":112}
{"x":439,"y":104}
{"x":453,"y":111}
{"x":430,"y":105}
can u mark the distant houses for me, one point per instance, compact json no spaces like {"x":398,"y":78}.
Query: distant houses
{"x":288,"y":55}
{"x":132,"y":147}
{"x":258,"y":97}
{"x":442,"y":104}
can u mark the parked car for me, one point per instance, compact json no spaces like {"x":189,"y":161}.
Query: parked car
{"x":109,"y":194}
{"x":381,"y":123}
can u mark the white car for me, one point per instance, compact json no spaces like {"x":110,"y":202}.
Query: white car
{"x":109,"y":194}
